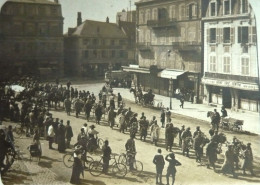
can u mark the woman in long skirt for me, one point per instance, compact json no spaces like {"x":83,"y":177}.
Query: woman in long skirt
{"x":77,"y":168}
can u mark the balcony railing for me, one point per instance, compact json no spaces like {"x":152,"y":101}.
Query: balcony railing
{"x":187,"y":46}
{"x":144,"y":46}
{"x":232,"y":77}
{"x":161,"y":23}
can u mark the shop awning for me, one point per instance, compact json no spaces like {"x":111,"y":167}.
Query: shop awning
{"x":136,"y":68}
{"x":170,"y":73}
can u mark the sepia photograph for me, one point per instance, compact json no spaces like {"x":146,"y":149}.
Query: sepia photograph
{"x":129,"y":92}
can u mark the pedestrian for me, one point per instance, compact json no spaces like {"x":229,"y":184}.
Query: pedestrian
{"x":77,"y":168}
{"x":98,"y":113}
{"x":171,"y":170}
{"x":9,"y":134}
{"x":186,"y":141}
{"x":61,"y":137}
{"x":228,"y":165}
{"x":142,"y":116}
{"x":162,"y":118}
{"x":67,"y":104}
{"x":68,"y":84}
{"x":111,"y":117}
{"x":130,"y":151}
{"x":119,"y":99}
{"x":211,"y":154}
{"x":85,"y":127}
{"x":143,"y":128}
{"x":198,"y":146}
{"x":192,"y":94}
{"x":216,"y":120}
{"x":248,"y":160}
{"x":51,"y":135}
{"x":106,"y":156}
{"x":87,"y":108}
{"x":68,"y":134}
{"x":196,"y":132}
{"x":168,"y":115}
{"x":182,"y":101}
{"x":169,"y":137}
{"x":158,"y":160}
{"x":55,"y":129}
{"x":155,"y":133}
{"x":180,"y":133}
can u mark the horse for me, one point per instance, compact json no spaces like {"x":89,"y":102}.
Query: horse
{"x":137,"y":94}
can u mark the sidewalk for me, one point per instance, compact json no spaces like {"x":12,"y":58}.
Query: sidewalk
{"x":199,"y":111}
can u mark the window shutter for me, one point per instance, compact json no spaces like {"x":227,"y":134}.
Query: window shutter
{"x":187,"y":11}
{"x":250,"y":34}
{"x":208,"y":35}
{"x":232,"y":35}
{"x":217,"y":35}
{"x":195,"y":10}
{"x":239,"y":34}
{"x":254,"y":34}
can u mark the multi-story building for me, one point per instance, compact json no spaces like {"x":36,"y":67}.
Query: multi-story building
{"x":31,"y":37}
{"x":93,"y":46}
{"x":230,"y":55}
{"x":126,"y":16}
{"x":169,"y":45}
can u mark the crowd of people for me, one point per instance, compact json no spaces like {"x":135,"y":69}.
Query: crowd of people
{"x":30,"y":109}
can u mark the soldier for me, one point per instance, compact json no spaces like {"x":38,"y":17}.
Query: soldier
{"x":168,"y":115}
{"x":169,"y":137}
{"x":67,"y":104}
{"x":211,"y":154}
{"x":171,"y":168}
{"x":248,"y":159}
{"x":185,"y":145}
{"x":162,"y":118}
{"x":68,"y":134}
{"x":196,"y":132}
{"x":111,"y":117}
{"x":228,"y":166}
{"x":131,"y":151}
{"x":198,"y":146}
{"x":180,"y":133}
{"x":87,"y":108}
{"x":143,"y":128}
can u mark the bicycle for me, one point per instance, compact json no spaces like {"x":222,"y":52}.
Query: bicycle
{"x":126,"y":158}
{"x":92,"y":147}
{"x":68,"y":160}
{"x":118,"y":169}
{"x":18,"y":131}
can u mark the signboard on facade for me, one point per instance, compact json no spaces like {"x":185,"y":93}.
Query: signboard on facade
{"x":233,"y":84}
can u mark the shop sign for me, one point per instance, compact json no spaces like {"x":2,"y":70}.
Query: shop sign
{"x":234,"y":84}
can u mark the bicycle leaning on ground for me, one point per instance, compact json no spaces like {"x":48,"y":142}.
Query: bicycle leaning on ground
{"x":128,"y":158}
{"x":118,"y":169}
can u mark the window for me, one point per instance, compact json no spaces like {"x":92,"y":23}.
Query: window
{"x":173,"y":11}
{"x":104,"y":54}
{"x":86,"y":42}
{"x":226,"y":64}
{"x":103,"y":42}
{"x":95,"y":53}
{"x":212,"y":35}
{"x":243,"y":35}
{"x":154,"y":15}
{"x":192,"y":10}
{"x":244,"y":6}
{"x":182,"y":9}
{"x":213,"y":9}
{"x":162,"y":14}
{"x":54,"y":10}
{"x":121,"y":54}
{"x":245,"y":66}
{"x":112,"y":42}
{"x":95,"y":42}
{"x":122,"y":42}
{"x":86,"y":54}
{"x":226,"y":32}
{"x":212,"y":64}
{"x":41,"y":10}
{"x":113,"y":54}
{"x":17,"y":48}
{"x":227,"y":7}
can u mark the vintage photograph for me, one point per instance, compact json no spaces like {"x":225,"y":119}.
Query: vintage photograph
{"x":129,"y":92}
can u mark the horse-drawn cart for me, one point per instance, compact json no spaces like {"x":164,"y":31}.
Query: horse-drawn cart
{"x":232,"y":124}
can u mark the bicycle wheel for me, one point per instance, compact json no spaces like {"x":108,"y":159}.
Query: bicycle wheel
{"x":68,"y":160}
{"x":95,"y":168}
{"x":119,"y":169}
{"x":122,"y":159}
{"x":138,"y":167}
{"x":88,"y":161}
{"x":100,"y":143}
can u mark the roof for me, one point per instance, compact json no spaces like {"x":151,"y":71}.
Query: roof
{"x":90,"y":28}
{"x":129,"y":28}
{"x":33,"y":1}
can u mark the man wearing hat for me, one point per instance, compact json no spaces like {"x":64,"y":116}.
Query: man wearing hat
{"x":158,"y":160}
{"x":185,"y":147}
{"x":119,"y":99}
{"x":198,"y":146}
{"x":131,"y":151}
{"x":196,"y":132}
{"x":171,"y":170}
{"x":106,"y":156}
{"x":228,"y":166}
{"x":68,"y":134}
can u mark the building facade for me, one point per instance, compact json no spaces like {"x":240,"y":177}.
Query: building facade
{"x":93,"y":46}
{"x":169,"y":46}
{"x":31,"y":37}
{"x":126,"y":16}
{"x":230,"y":55}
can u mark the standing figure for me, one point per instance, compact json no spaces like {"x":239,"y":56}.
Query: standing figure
{"x":87,"y":108}
{"x":182,"y":101}
{"x":51,"y":135}
{"x":143,"y":128}
{"x":98,"y":113}
{"x":228,"y":166}
{"x":169,"y":137}
{"x":119,"y":99}
{"x":211,"y":154}
{"x":106,"y":156}
{"x":162,"y":118}
{"x":77,"y":168}
{"x":186,"y":136}
{"x":158,"y":160}
{"x":130,"y":151}
{"x":168,"y":115}
{"x":180,"y":133}
{"x":171,"y":168}
{"x":155,"y":133}
{"x":61,"y":137}
{"x":198,"y":146}
{"x":248,"y":159}
{"x":67,"y":104}
{"x":111,"y":117}
{"x":68,"y":134}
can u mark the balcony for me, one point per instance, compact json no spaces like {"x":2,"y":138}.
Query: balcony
{"x":161,"y":23}
{"x":231,"y":77}
{"x":187,"y":46}
{"x":144,"y":46}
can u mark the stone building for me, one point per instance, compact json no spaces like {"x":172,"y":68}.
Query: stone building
{"x":93,"y":46}
{"x":31,"y":37}
{"x":126,"y":16}
{"x":169,"y":46}
{"x":230,"y":55}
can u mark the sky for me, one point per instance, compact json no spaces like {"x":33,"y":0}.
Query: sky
{"x":90,"y":9}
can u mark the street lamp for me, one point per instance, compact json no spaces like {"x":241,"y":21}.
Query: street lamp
{"x":110,"y":72}
{"x":170,"y":82}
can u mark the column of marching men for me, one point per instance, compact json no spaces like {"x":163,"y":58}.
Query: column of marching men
{"x":38,"y":98}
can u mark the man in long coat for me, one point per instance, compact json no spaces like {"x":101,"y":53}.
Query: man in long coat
{"x":248,"y":160}
{"x":169,"y":137}
{"x":61,"y":137}
{"x":98,"y":113}
{"x":87,"y":108}
{"x":211,"y":154}
{"x":68,"y":134}
{"x":228,"y":166}
{"x":67,"y":104}
{"x":111,"y":117}
{"x":143,"y":128}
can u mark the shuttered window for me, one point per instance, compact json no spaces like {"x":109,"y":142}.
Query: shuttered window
{"x":212,"y":64}
{"x":245,"y":66}
{"x":226,"y":64}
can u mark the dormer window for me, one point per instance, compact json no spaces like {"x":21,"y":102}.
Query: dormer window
{"x":227,"y":7}
{"x":213,"y":9}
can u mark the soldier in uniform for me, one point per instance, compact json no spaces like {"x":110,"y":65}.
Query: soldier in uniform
{"x":185,"y":135}
{"x":143,"y":128}
{"x":171,"y":168}
{"x":180,"y":133}
{"x":158,"y":160}
{"x":169,"y":137}
{"x":196,"y":132}
{"x":248,"y":159}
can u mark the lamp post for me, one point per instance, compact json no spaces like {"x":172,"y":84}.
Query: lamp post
{"x":110,"y":72}
{"x":170,"y":82}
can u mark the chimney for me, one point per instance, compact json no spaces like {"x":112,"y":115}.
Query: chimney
{"x":79,"y":20}
{"x":107,"y":20}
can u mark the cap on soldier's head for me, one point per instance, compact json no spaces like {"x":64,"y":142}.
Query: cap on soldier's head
{"x":198,"y":127}
{"x":159,"y":150}
{"x":183,"y":126}
{"x":85,"y":124}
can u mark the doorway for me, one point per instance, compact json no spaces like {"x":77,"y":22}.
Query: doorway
{"x":226,"y":97}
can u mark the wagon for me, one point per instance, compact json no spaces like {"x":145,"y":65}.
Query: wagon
{"x":232,"y":124}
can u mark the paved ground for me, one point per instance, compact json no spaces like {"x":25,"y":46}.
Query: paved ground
{"x":50,"y":169}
